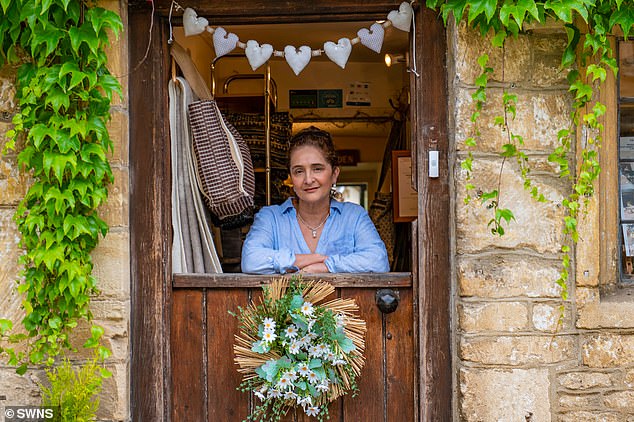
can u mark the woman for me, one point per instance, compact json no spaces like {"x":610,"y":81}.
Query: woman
{"x":313,"y":233}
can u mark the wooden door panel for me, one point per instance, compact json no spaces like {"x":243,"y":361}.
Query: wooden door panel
{"x":187,"y":356}
{"x":205,"y":378}
{"x":368,"y":404}
{"x":399,"y":356}
{"x":225,"y":402}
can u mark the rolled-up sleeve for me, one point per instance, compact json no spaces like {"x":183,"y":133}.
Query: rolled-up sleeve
{"x":369,"y":253}
{"x":260,"y":254}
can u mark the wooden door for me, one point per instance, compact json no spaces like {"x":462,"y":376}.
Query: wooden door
{"x":204,"y":376}
{"x":157,"y":296}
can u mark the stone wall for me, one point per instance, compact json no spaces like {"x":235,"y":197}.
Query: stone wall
{"x":111,"y":309}
{"x":513,"y":362}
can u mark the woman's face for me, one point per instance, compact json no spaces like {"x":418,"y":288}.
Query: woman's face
{"x":311,"y":174}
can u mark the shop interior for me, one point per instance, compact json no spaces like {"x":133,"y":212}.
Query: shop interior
{"x":358,"y":105}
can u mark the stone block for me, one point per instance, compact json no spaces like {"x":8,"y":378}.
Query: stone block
{"x":116,"y":338}
{"x":504,"y":395}
{"x":10,"y":300}
{"x":629,"y":378}
{"x":14,"y":183}
{"x":8,"y":103}
{"x":118,"y":129}
{"x":584,"y":416}
{"x":114,"y":397}
{"x":536,"y":227}
{"x":585,"y":380}
{"x":509,"y":64}
{"x":20,"y":390}
{"x":516,"y":351}
{"x":111,"y":260}
{"x":540,"y":116}
{"x":579,"y":401}
{"x":115,"y":210}
{"x":622,"y":400}
{"x":608,"y":350}
{"x":501,"y":276}
{"x":586,"y":295}
{"x":117,"y":52}
{"x":606,"y":314}
{"x":547,"y":52}
{"x":494,"y":316}
{"x":547,"y":317}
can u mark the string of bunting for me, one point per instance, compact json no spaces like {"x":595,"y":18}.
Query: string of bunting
{"x":298,"y":58}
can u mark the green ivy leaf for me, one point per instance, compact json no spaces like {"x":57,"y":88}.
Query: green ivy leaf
{"x":624,"y":17}
{"x":58,"y":162}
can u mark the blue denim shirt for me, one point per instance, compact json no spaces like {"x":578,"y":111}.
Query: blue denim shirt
{"x":349,"y":240}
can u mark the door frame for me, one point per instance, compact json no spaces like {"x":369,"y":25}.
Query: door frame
{"x":150,"y":220}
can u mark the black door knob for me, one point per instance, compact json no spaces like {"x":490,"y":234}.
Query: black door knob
{"x":387,"y":300}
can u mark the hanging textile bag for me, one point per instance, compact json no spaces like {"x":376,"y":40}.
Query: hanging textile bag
{"x":223,"y":166}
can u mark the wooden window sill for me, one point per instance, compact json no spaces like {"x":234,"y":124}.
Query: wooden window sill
{"x":236,"y":280}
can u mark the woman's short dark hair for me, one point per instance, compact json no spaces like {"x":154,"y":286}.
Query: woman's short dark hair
{"x":312,"y":136}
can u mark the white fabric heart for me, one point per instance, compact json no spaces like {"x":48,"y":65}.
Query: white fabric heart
{"x":256,"y":54}
{"x":192,"y":24}
{"x":402,"y":18}
{"x":373,"y":38}
{"x":297,"y":60}
{"x":223,"y":42}
{"x":339,"y":52}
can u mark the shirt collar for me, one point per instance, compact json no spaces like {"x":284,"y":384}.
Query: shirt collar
{"x":334,"y":205}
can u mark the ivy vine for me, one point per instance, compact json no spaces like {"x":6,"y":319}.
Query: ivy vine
{"x":64,"y":91}
{"x":589,"y":54}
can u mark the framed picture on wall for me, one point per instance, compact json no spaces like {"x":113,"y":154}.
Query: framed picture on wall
{"x":404,"y":197}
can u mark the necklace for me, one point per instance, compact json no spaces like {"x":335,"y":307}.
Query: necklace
{"x":313,"y":230}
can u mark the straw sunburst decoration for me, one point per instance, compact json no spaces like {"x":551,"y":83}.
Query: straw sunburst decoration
{"x":296,"y":347}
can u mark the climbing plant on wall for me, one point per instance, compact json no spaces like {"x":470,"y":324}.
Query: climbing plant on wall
{"x":589,"y":24}
{"x":64,"y":91}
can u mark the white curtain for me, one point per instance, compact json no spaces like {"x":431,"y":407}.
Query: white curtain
{"x":193,"y":249}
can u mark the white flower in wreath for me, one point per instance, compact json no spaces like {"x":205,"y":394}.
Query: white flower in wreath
{"x":330,"y":356}
{"x":268,"y":324}
{"x":311,"y":323}
{"x":294,"y":347}
{"x":312,"y":411}
{"x":291,"y":331}
{"x":307,"y":309}
{"x":312,"y":378}
{"x":314,"y":352}
{"x":304,"y":401}
{"x":284,"y":383}
{"x":338,"y":361}
{"x":323,"y":349}
{"x":274,"y":393}
{"x":291,"y":375}
{"x":269,"y":336}
{"x":322,"y":386}
{"x":303,"y":369}
{"x":289,"y":395}
{"x":340,"y":320}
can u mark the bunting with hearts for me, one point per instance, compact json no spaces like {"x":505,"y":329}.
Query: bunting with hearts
{"x":299,"y":57}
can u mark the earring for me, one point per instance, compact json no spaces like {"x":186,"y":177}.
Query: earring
{"x":335,"y":194}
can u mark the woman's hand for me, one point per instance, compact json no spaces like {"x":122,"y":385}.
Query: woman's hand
{"x":319,"y":267}
{"x":304,"y":260}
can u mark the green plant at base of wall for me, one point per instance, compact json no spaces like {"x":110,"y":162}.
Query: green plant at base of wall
{"x":64,"y":91}
{"x":589,"y":48}
{"x":73,"y":393}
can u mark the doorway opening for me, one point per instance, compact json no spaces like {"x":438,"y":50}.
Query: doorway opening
{"x":363,"y":106}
